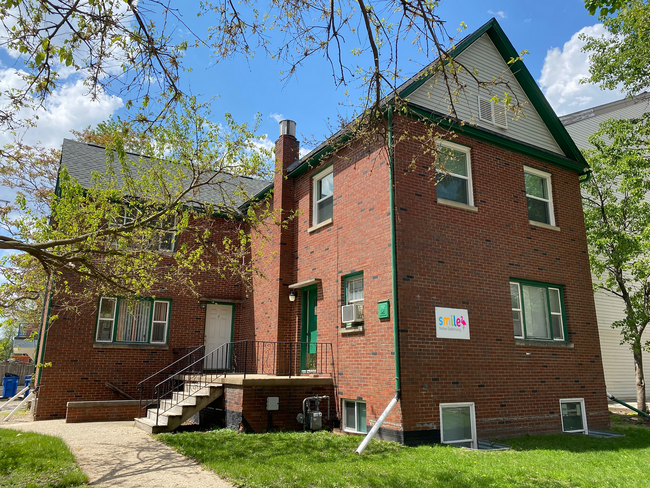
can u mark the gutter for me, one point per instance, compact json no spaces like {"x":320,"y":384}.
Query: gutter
{"x":398,"y":391}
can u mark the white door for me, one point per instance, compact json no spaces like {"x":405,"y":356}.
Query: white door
{"x":218,"y":329}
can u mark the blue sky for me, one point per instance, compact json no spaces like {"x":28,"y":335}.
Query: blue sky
{"x":547,"y":30}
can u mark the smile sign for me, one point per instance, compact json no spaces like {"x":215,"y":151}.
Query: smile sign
{"x":452,"y":323}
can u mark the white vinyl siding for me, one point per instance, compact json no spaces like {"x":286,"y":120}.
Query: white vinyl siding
{"x":581,"y":130}
{"x":482,"y":55}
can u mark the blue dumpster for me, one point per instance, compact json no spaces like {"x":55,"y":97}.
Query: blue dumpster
{"x":9,"y":385}
{"x":28,"y":380}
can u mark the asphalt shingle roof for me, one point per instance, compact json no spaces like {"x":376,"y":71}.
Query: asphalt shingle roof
{"x":82,"y":160}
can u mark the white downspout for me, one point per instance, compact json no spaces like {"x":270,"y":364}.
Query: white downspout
{"x":377,"y":425}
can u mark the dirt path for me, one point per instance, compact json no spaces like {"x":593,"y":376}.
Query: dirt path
{"x":117,"y":454}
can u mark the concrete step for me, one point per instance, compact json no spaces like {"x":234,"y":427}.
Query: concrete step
{"x":150,"y":426}
{"x":187,"y":401}
{"x":163,"y":416}
{"x":175,"y":415}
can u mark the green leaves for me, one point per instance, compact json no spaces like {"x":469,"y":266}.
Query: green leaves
{"x":621,"y":59}
{"x":616,"y":202}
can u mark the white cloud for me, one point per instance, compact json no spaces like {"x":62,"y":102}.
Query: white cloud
{"x":527,"y":21}
{"x":277,"y":117}
{"x":501,"y":14}
{"x":69,"y":107}
{"x":561,"y":74}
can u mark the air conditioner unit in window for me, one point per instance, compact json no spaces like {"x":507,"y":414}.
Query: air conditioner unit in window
{"x":352,"y":313}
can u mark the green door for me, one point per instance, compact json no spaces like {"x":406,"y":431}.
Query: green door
{"x":309,"y":332}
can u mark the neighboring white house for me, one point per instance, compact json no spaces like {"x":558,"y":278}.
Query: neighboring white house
{"x":617,"y":359}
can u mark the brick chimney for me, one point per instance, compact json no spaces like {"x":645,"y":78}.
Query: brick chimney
{"x":286,"y":153}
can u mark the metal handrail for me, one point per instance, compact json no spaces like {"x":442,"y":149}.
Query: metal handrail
{"x":141,"y":384}
{"x":224,"y":360}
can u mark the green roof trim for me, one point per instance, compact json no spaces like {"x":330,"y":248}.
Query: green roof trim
{"x":498,"y":140}
{"x":574,"y":159}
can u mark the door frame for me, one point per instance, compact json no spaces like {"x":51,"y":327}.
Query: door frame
{"x":304,"y":319}
{"x":232,"y":325}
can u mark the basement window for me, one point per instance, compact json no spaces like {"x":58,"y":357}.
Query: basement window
{"x":574,"y":419}
{"x":354,"y":416}
{"x":458,"y":424}
{"x":133,"y":321}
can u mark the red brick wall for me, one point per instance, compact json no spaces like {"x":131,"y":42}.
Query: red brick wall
{"x":455,"y":258}
{"x":80,"y":368}
{"x":357,"y":240}
{"x":290,"y":405}
{"x":101,"y":411}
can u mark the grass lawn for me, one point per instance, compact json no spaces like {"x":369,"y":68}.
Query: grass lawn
{"x":323,"y":459}
{"x":35,"y":460}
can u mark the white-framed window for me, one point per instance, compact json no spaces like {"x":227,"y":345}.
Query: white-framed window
{"x":458,"y":424}
{"x":159,"y":322}
{"x":354,"y":290}
{"x":323,"y":196}
{"x":106,"y":319}
{"x":574,"y":418}
{"x":454,"y":182}
{"x":354,"y":416}
{"x":539,"y":196}
{"x":537,"y":311}
{"x":490,"y":112}
{"x":134,"y":321}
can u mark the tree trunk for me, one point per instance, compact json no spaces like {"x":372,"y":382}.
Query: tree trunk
{"x":637,"y":352}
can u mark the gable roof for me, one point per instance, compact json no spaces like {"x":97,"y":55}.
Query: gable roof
{"x":82,"y":160}
{"x":584,"y":123}
{"x":571,"y":159}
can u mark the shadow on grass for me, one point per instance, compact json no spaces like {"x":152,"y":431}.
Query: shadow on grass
{"x":635,"y":438}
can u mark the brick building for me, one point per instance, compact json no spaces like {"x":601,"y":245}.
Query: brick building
{"x":471,"y":298}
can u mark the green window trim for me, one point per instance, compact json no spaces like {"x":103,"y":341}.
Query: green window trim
{"x":520,"y":284}
{"x":119,"y":302}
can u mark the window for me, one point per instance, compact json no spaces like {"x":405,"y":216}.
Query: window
{"x":137,"y":321}
{"x":323,"y":196}
{"x":163,"y":239}
{"x":353,"y":296}
{"x":539,"y":196}
{"x":573,"y":415}
{"x":354,"y":290}
{"x":456,"y":184}
{"x":537,"y":311}
{"x":488,"y":111}
{"x":458,"y":424}
{"x":354,"y":416}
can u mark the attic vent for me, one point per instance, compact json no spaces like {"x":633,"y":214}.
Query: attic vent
{"x":488,"y":111}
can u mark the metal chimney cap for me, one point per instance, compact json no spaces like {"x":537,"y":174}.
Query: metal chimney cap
{"x":287,"y":128}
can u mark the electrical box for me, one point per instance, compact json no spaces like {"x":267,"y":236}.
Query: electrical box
{"x":383,"y":309}
{"x":272,"y":403}
{"x":314,"y":420}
